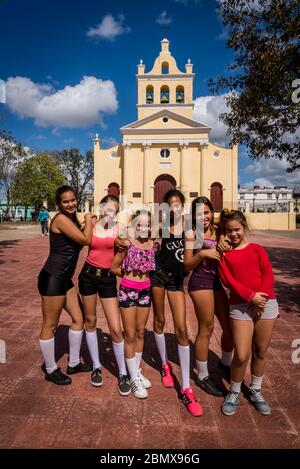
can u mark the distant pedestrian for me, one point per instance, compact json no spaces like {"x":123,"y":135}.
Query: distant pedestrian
{"x":43,"y":218}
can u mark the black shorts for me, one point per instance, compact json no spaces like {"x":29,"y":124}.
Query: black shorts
{"x":94,"y":280}
{"x":160,"y":278}
{"x":50,"y":285}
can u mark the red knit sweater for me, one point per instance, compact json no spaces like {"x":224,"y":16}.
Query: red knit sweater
{"x":247,"y":271}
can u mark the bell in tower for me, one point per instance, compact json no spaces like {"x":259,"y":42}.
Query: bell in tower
{"x":164,"y":95}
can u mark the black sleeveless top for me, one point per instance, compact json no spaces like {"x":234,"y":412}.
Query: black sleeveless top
{"x":170,"y":257}
{"x":63,"y":256}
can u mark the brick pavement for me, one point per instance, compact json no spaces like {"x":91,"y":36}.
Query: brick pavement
{"x":37,"y":414}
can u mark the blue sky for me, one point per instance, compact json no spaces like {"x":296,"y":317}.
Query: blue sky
{"x":49,"y":46}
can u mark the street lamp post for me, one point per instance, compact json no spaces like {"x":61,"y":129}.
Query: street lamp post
{"x":277,"y":197}
{"x":253,"y":203}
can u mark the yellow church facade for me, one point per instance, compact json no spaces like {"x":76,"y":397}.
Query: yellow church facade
{"x":165,"y":148}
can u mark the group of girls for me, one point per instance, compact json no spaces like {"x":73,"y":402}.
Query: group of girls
{"x":216,"y":255}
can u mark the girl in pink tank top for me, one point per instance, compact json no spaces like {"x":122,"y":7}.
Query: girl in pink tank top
{"x":134,"y":266}
{"x":97,"y":279}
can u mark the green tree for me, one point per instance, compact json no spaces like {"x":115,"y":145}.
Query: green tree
{"x":263,"y":112}
{"x":11,"y":154}
{"x":78,"y":170}
{"x":36,"y":180}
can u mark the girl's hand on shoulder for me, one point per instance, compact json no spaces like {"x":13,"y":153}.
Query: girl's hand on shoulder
{"x":211,"y":254}
{"x":90,"y":215}
{"x":224,"y":245}
{"x":122,"y":244}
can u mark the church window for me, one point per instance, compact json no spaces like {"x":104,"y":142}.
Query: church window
{"x":164,"y":94}
{"x":165,"y":153}
{"x":165,"y":120}
{"x":165,"y":68}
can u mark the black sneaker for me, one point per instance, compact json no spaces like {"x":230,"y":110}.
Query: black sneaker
{"x":124,"y":385}
{"x":96,"y":378}
{"x":225,"y":368}
{"x":80,"y":368}
{"x":208,"y":385}
{"x":57,"y":377}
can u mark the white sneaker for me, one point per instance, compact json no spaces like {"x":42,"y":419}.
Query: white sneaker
{"x":145,"y":381}
{"x":42,"y":235}
{"x":138,"y":389}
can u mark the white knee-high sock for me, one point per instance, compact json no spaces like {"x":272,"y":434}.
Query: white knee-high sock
{"x":202,"y":369}
{"x":132,"y":369}
{"x":235,"y":387}
{"x":256,"y":382}
{"x":138,"y":357}
{"x":92,"y":343}
{"x":184,"y":361}
{"x":75,"y":338}
{"x":226,"y":358}
{"x":161,"y":346}
{"x":119,"y":354}
{"x":47,"y":348}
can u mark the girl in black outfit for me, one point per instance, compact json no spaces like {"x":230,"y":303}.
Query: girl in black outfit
{"x":56,"y":287}
{"x":169,"y":276}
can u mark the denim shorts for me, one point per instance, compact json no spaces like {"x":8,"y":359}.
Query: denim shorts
{"x":243,"y":311}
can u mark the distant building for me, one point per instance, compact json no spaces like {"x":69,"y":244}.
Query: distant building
{"x":265,"y":199}
{"x":14,"y":212}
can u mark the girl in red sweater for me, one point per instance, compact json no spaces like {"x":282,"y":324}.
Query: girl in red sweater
{"x":247,"y":273}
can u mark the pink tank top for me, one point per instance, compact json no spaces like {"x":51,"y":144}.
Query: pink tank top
{"x":101,"y":252}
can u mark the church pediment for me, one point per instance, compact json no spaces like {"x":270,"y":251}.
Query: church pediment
{"x":165,"y":121}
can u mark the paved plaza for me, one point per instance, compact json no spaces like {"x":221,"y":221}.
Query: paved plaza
{"x":37,"y":414}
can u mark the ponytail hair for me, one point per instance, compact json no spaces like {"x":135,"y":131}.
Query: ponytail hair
{"x":233,"y":215}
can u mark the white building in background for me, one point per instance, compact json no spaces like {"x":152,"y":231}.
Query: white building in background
{"x":265,"y":199}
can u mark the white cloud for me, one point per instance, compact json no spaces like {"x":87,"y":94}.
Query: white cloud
{"x":207,"y":110}
{"x":109,"y":141}
{"x":2,"y":92}
{"x":75,"y":106}
{"x":56,"y":132}
{"x":163,"y":19}
{"x":109,"y":28}
{"x":271,"y":172}
{"x":224,"y":35}
{"x":40,"y":137}
{"x":185,"y":2}
{"x":252,"y":4}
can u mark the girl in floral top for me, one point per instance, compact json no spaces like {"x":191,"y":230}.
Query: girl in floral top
{"x":134,"y":265}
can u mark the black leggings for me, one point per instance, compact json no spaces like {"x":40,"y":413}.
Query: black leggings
{"x":49,"y":285}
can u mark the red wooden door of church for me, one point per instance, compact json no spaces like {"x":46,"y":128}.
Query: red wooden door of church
{"x":216,"y":196}
{"x":163,"y":184}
